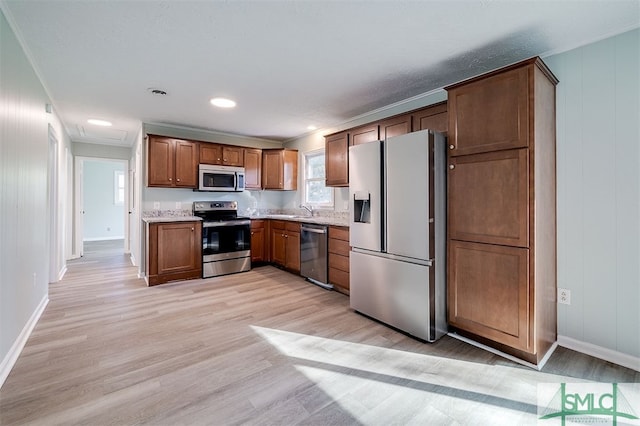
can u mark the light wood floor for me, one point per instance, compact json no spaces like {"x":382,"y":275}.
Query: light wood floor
{"x":262,"y":347}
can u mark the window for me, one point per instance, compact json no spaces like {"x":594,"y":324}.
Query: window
{"x":118,"y":187}
{"x":315,"y":193}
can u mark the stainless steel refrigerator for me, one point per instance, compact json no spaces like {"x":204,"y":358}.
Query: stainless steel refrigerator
{"x":397,"y":224}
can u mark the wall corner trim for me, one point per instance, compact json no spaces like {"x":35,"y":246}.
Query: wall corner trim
{"x":625,"y":360}
{"x":12,"y":356}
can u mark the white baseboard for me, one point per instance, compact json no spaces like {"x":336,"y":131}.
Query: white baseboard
{"x":606,"y":354}
{"x":62,"y":272}
{"x":12,"y":356}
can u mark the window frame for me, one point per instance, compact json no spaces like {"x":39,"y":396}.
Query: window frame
{"x":117,"y":200}
{"x":305,"y":178}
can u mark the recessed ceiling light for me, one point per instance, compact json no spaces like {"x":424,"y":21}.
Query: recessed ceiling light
{"x":99,"y":122}
{"x":223,"y":102}
{"x":312,"y":127}
{"x":158,"y":92}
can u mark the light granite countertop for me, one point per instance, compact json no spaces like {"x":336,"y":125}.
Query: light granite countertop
{"x":320,"y":220}
{"x":157,"y":219}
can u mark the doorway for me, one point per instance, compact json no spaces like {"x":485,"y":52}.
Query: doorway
{"x":102,"y":205}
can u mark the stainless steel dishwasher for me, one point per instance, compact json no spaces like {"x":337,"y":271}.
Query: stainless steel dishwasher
{"x":313,"y":254}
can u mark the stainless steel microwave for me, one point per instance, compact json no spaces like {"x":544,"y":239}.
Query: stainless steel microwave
{"x":221,"y":178}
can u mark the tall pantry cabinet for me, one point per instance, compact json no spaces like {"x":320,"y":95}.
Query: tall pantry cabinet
{"x":502,"y":210}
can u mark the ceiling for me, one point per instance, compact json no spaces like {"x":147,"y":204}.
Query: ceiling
{"x":287,"y":64}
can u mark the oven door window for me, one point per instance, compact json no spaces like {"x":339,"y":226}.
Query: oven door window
{"x":225,"y":239}
{"x":218,"y":180}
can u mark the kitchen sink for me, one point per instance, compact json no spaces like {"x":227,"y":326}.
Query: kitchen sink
{"x":284,"y":216}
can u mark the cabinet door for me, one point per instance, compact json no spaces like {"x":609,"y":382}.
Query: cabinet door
{"x":161,"y":162}
{"x":186,"y":168}
{"x":178,"y":247}
{"x":488,"y":198}
{"x":253,"y":168}
{"x":337,"y":160}
{"x":364,"y":134}
{"x":293,"y":251}
{"x":434,"y":117}
{"x":210,"y":153}
{"x":272,"y":169}
{"x":257,"y":244}
{"x":488,"y":292}
{"x":395,"y":126}
{"x":278,"y":247}
{"x":490,"y":114}
{"x":233,"y":156}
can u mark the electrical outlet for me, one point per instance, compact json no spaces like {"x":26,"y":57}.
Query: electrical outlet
{"x":345,"y":206}
{"x":156,"y":205}
{"x":178,"y":205}
{"x":35,"y":280}
{"x":564,"y":296}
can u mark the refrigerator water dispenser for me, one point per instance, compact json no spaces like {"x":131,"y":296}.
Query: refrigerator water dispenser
{"x":362,"y":207}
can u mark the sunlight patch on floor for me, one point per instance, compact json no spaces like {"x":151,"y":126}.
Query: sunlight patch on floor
{"x":365,"y":379}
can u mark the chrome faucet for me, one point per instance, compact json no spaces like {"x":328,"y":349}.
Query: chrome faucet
{"x":307,"y":208}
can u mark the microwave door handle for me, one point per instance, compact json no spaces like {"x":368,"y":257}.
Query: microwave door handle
{"x":235,"y":181}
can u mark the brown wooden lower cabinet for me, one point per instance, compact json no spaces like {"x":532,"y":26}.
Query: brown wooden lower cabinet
{"x":285,"y":244}
{"x":489,"y":294}
{"x":338,"y":247}
{"x":258,"y":240}
{"x":174,"y":251}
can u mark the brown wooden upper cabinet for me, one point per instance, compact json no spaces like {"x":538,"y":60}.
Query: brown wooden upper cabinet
{"x":364,"y":134}
{"x":253,"y":168}
{"x":337,"y":145}
{"x":222,"y":155}
{"x":490,"y":114}
{"x":434,"y":117}
{"x":280,"y":169}
{"x":395,"y":126}
{"x":172,"y":163}
{"x":336,"y":159}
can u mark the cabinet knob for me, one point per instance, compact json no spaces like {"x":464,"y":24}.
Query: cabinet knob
{"x":170,"y":179}
{"x":251,"y":232}
{"x":192,"y":229}
{"x":451,"y":167}
{"x":452,"y":146}
{"x":178,"y":180}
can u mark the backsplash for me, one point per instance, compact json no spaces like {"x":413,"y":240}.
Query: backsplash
{"x":302,"y":212}
{"x":167,"y":213}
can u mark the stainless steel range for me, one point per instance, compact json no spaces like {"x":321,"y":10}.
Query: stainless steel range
{"x":226,"y":238}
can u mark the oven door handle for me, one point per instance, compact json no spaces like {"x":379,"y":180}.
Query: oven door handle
{"x":226,"y":223}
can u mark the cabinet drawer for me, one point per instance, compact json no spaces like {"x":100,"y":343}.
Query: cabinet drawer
{"x":339,"y":262}
{"x":339,"y":233}
{"x":292,"y":226}
{"x":257,"y":223}
{"x":339,"y":247}
{"x":339,"y":278}
{"x":277,"y":224}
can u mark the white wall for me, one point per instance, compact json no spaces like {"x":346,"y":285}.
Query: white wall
{"x":24,"y":207}
{"x":81,"y":149}
{"x":598,"y":191}
{"x":103,"y":218}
